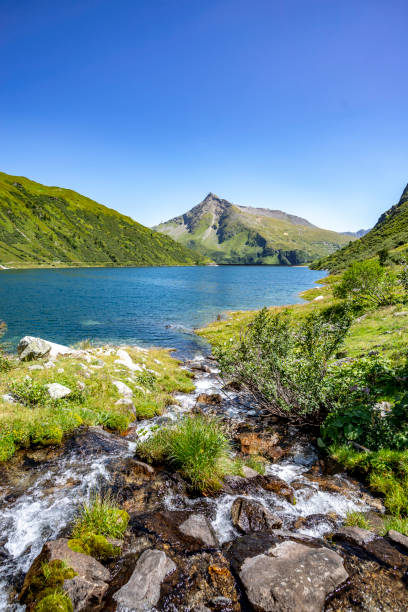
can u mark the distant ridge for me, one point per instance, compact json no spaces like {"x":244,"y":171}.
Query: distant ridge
{"x":42,"y":225}
{"x":233,"y":234}
{"x":390,"y":232}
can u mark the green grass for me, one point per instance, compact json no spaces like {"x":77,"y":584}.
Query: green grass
{"x":386,"y":472}
{"x":396,"y":524}
{"x":196,"y":446}
{"x":357,"y":519}
{"x":55,"y":602}
{"x":101,"y":516}
{"x":38,"y":420}
{"x":45,"y":592}
{"x":54,"y":227}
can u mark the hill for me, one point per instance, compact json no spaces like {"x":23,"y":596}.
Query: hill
{"x":42,"y":225}
{"x":231,"y":234}
{"x":390,"y":232}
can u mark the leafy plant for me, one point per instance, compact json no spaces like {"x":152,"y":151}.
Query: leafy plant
{"x":283,"y":362}
{"x":369,"y":284}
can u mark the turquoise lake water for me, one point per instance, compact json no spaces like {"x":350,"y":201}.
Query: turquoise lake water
{"x":145,"y":306}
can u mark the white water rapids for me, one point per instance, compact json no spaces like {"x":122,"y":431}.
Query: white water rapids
{"x":34,"y":513}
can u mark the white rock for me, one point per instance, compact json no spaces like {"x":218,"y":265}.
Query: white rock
{"x":57,"y":391}
{"x":8,"y":398}
{"x":36,"y":367}
{"x":126,"y":360}
{"x":49,"y":364}
{"x":31,"y":347}
{"x":319,"y":298}
{"x":122,"y":388}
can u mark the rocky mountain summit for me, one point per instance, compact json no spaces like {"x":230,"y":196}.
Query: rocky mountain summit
{"x":232,"y":234}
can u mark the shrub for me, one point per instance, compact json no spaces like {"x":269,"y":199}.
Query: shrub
{"x":5,"y":363}
{"x":283,"y":362}
{"x":369,"y":284}
{"x":30,"y":393}
{"x":397,"y":524}
{"x":101,"y":516}
{"x":196,"y":446}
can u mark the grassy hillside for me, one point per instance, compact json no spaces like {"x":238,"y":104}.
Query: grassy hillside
{"x":231,"y":234}
{"x":42,"y":225}
{"x":390,"y":232}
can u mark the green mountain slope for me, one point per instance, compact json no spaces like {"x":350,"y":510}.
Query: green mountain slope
{"x":390,"y":232}
{"x":42,"y":225}
{"x":230,"y":234}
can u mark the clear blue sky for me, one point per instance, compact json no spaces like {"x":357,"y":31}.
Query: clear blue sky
{"x":147,"y":105}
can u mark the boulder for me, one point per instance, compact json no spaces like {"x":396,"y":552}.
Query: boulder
{"x":10,"y":399}
{"x":291,"y":577}
{"x":123,"y":389}
{"x":30,"y":347}
{"x":398,"y":538}
{"x":209,"y":398}
{"x":249,"y":472}
{"x":372,"y":544}
{"x":57,"y":391}
{"x":142,"y":591}
{"x":279,"y":487}
{"x":198,"y":527}
{"x":254,"y":444}
{"x":250,"y":515}
{"x":355,"y":536}
{"x":126,"y":360}
{"x":184,"y":531}
{"x":87,"y":587}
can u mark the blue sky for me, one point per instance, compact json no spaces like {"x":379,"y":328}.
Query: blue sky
{"x":147,"y":105}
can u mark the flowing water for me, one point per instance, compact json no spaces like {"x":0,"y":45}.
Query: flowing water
{"x":42,"y":500}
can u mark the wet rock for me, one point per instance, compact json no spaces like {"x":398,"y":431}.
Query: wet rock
{"x":209,"y":398}
{"x":180,"y":529}
{"x":373,"y":545}
{"x":30,"y":347}
{"x":139,"y":467}
{"x":57,"y":391}
{"x":398,"y":538}
{"x":279,"y":487}
{"x":249,"y":472}
{"x":255,"y":444}
{"x":331,"y":484}
{"x":96,"y":441}
{"x":292,"y":576}
{"x":142,"y":591}
{"x":198,"y":527}
{"x":355,"y":535}
{"x":249,"y":515}
{"x":313,"y":521}
{"x":87,"y":587}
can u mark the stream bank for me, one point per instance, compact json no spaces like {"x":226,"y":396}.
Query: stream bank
{"x":207,"y":553}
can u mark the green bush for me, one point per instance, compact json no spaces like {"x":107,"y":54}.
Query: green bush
{"x":196,"y":446}
{"x":30,"y":393}
{"x":101,"y":516}
{"x":283,"y":362}
{"x":45,"y":589}
{"x":55,"y":602}
{"x":370,"y":284}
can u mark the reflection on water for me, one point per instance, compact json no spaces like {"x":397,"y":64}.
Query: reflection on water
{"x":150,"y":306}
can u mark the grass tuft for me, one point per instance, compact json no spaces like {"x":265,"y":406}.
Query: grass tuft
{"x":357,"y":519}
{"x":102,"y":516}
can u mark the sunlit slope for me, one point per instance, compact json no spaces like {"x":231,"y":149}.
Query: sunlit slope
{"x":390,"y":232}
{"x":230,"y":234}
{"x":42,"y":225}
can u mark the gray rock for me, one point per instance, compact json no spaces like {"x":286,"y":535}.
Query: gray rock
{"x":87,"y":588}
{"x":402,"y":313}
{"x":198,"y":527}
{"x":250,"y":515}
{"x":398,"y":537}
{"x":30,"y":347}
{"x":355,"y":535}
{"x":292,"y":577}
{"x":249,"y":472}
{"x":57,"y":391}
{"x":142,"y":591}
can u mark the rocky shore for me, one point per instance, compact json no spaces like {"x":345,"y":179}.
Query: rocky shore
{"x":271,"y":541}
